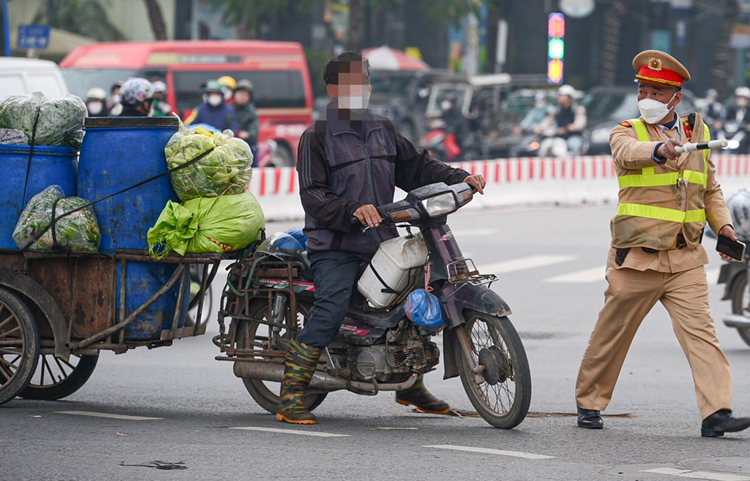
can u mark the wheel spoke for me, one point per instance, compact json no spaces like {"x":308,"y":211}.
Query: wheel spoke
{"x":11,"y":352}
{"x":5,"y":321}
{"x":62,"y":370}
{"x":7,"y":333}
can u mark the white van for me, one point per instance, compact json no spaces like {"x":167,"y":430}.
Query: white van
{"x":29,"y":75}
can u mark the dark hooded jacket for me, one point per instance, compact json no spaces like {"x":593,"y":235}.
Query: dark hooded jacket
{"x":339,"y":171}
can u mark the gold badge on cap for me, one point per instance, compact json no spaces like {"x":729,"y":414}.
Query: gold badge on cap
{"x":654,"y":63}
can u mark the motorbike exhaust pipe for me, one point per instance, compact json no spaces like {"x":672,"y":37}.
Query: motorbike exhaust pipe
{"x":266,"y":371}
{"x":739,"y":322}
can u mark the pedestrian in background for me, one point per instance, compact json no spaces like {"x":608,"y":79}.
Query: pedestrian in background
{"x":656,"y":254}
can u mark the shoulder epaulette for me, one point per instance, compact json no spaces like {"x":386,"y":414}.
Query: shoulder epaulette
{"x":625,"y":123}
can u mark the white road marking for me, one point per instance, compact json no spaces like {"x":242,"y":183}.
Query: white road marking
{"x":515,"y":454}
{"x":586,"y":276}
{"x":713,"y":275}
{"x":107,"y":415}
{"x":523,"y":263}
{"x":686,"y":473}
{"x":294,"y":431}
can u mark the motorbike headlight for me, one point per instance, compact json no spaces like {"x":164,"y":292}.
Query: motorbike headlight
{"x":600,"y":136}
{"x":440,"y":204}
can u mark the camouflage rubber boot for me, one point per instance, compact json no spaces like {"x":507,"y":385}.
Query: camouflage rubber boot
{"x":422,"y":399}
{"x":299,"y":367}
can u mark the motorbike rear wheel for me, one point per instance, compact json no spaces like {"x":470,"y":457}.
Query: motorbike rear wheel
{"x":741,"y":304}
{"x":501,"y":391}
{"x":250,"y":335}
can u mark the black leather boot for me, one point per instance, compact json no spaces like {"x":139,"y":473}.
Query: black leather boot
{"x":589,"y":419}
{"x":721,"y":422}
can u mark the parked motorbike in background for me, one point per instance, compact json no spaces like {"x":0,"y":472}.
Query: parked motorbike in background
{"x":734,"y":275}
{"x":383,"y":344}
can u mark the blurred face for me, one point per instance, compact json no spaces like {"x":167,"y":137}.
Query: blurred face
{"x":564,"y":100}
{"x":353,"y":89}
{"x":742,"y":101}
{"x":215,"y":99}
{"x":660,"y":94}
{"x":242,"y":97}
{"x":95,"y":107}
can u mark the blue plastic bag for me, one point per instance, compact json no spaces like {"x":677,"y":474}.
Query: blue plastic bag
{"x":423,"y":309}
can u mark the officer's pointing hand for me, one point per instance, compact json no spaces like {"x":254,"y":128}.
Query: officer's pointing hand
{"x":368,"y":215}
{"x":667,"y":149}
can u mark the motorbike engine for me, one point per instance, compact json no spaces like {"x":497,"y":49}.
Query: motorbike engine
{"x":384,"y":362}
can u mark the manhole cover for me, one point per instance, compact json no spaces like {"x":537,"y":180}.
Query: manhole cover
{"x":541,"y":336}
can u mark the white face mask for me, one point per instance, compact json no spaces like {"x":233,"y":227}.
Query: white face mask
{"x":116,"y":99}
{"x":95,"y":108}
{"x":446,"y":105}
{"x":215,"y":100}
{"x":654,"y":111}
{"x":356,"y":103}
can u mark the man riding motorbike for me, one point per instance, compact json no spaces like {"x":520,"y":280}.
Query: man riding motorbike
{"x":349,"y":163}
{"x":137,"y":95}
{"x":568,"y":120}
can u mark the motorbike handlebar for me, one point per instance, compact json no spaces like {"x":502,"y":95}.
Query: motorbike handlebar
{"x":714,"y":144}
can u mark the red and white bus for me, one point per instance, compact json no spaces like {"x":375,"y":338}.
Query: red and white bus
{"x":278,"y":70}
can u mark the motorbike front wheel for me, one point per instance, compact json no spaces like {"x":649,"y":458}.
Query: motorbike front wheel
{"x":499,"y":387}
{"x":740,"y":304}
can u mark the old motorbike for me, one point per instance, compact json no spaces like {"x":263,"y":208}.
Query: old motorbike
{"x":270,"y":295}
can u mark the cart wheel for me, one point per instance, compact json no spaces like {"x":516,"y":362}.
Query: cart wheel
{"x":56,"y":379}
{"x":19,"y":345}
{"x":253,"y":335}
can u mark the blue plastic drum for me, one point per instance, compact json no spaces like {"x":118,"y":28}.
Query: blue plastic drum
{"x":49,"y":166}
{"x":117,"y":153}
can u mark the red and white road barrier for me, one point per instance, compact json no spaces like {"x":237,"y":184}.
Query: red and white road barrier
{"x":517,"y":181}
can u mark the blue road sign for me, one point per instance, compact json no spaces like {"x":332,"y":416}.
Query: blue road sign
{"x":33,"y":36}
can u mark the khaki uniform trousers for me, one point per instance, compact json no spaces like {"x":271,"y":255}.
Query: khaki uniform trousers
{"x":629,"y":298}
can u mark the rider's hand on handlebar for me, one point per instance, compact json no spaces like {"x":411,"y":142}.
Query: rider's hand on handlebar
{"x":368,"y":215}
{"x":477,"y":182}
{"x":667,"y":149}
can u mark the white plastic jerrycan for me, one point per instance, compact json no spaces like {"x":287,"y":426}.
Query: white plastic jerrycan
{"x":388,"y":273}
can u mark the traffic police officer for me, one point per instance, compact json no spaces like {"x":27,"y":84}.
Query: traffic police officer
{"x":665,"y":200}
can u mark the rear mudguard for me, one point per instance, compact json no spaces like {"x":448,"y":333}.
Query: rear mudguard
{"x":730,"y":274}
{"x":456,"y":302}
{"x":35,"y":295}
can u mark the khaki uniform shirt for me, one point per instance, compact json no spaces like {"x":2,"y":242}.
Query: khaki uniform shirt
{"x":630,"y":153}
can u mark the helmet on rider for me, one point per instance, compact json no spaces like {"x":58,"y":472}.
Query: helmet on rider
{"x":214,"y":93}
{"x":96,"y":93}
{"x":228,"y":85}
{"x":137,"y":93}
{"x":160,"y":87}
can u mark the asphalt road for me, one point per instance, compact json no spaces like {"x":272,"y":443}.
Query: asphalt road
{"x":551,"y":267}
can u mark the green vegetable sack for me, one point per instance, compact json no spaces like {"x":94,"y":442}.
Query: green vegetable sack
{"x":206,"y":224}
{"x":60,"y":120}
{"x":226,"y":170}
{"x":78,"y":231}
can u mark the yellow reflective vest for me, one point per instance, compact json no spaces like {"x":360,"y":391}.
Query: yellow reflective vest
{"x":658,"y":202}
